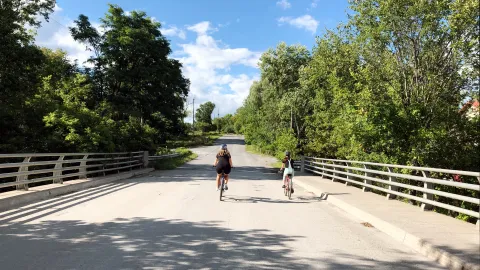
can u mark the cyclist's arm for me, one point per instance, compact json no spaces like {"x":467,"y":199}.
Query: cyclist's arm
{"x":230,"y":161}
{"x":216,"y":161}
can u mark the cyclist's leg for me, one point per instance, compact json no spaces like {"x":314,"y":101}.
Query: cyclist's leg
{"x":284,"y":179}
{"x":227,"y":171}
{"x":291,"y":181}
{"x":219,"y":174}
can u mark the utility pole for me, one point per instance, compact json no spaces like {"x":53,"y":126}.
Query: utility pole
{"x":291,"y":118}
{"x":218,"y":112}
{"x":193,"y":111}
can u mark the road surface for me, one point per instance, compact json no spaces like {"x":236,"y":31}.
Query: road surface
{"x":174,"y":220}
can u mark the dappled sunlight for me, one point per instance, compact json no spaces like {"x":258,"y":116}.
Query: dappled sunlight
{"x":169,"y":244}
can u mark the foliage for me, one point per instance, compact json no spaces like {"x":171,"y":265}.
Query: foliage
{"x":385,"y":87}
{"x":204,"y":113}
{"x":130,"y":96}
{"x":172,"y":163}
{"x":20,"y":65}
{"x":193,"y":139}
{"x":225,"y":124}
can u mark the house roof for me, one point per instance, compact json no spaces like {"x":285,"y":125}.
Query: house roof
{"x":472,"y":103}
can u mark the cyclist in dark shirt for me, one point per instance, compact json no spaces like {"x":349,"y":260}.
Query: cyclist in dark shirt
{"x":223,"y":164}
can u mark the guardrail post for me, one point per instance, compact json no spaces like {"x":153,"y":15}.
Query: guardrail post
{"x":391,"y":187}
{"x":82,"y":169}
{"x":428,"y":196}
{"x":478,"y":220}
{"x":145,"y":159}
{"x":130,"y":160}
{"x":369,"y":182}
{"x":23,"y":168}
{"x":323,"y":168}
{"x":348,"y":176}
{"x":58,"y":166}
{"x":334,"y":174}
{"x":302,"y":164}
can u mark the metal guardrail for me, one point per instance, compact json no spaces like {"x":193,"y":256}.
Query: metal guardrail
{"x":152,"y":158}
{"x":384,"y":178}
{"x":22,"y":170}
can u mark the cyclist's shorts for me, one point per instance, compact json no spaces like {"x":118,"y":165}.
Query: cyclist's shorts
{"x":223,"y":169}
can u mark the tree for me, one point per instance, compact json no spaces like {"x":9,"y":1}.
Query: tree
{"x":20,"y":65}
{"x":277,"y":104}
{"x":132,"y":71}
{"x":204,"y":113}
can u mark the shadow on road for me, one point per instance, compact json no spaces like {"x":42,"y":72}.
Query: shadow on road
{"x":246,"y":199}
{"x":143,"y":243}
{"x":58,"y":204}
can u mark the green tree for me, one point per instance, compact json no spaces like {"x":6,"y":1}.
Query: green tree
{"x":132,"y":71}
{"x":417,"y":55}
{"x":20,"y":64}
{"x":204,"y":112}
{"x":277,"y":104}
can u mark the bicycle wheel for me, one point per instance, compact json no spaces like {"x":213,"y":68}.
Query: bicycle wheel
{"x":222,"y":183}
{"x":289,"y":188}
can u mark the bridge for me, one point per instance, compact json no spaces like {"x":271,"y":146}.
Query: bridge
{"x":111,"y":211}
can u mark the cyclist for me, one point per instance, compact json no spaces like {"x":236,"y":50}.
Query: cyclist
{"x":223,"y":164}
{"x":286,"y":162}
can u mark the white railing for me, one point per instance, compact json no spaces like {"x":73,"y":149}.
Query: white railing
{"x":389,"y":178}
{"x":22,"y":170}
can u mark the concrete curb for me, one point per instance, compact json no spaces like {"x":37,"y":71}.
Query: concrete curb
{"x":16,"y":201}
{"x":418,"y":244}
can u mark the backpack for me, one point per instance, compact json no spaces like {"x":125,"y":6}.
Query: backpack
{"x":290,"y":169}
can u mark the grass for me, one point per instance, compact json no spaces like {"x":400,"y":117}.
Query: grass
{"x":194,"y":139}
{"x":171,"y":163}
{"x":256,"y":150}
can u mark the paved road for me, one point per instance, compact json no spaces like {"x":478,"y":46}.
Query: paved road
{"x":174,"y":220}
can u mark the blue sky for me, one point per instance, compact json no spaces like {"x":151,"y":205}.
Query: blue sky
{"x":218,"y":42}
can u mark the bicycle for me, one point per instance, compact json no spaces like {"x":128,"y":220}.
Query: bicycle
{"x":288,"y":187}
{"x":287,"y":190}
{"x":222,"y":184}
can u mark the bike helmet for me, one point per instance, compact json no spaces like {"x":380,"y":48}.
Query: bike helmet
{"x":224,"y":147}
{"x":287,"y":153}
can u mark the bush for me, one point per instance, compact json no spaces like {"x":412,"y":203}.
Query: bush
{"x":171,"y":163}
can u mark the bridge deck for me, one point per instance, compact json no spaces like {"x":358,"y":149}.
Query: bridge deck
{"x":174,"y":220}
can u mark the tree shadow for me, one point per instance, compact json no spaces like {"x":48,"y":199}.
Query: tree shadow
{"x":61,"y":203}
{"x":247,"y":199}
{"x":141,"y":243}
{"x":145,"y":243}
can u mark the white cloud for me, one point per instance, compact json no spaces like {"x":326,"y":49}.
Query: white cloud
{"x":56,"y":35}
{"x":56,"y":8}
{"x":207,"y":62}
{"x":284,"y":4}
{"x":314,"y":4}
{"x":208,"y":66}
{"x":306,"y":22}
{"x":174,"y":31}
{"x":202,"y":28}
